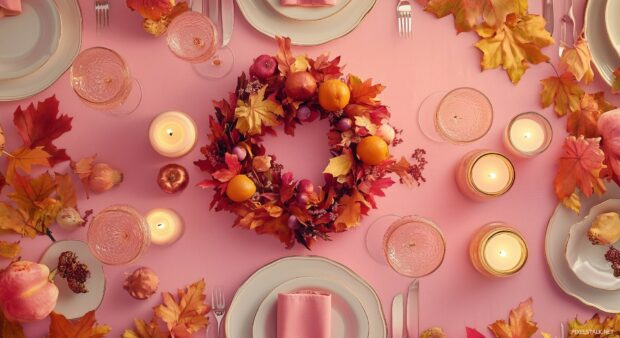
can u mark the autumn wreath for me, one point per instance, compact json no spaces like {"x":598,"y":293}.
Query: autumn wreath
{"x":292,"y":90}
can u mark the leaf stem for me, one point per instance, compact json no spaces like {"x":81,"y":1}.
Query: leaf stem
{"x":48,"y":232}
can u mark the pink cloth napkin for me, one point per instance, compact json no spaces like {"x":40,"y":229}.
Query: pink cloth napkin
{"x":305,"y":314}
{"x":308,"y":3}
{"x":10,"y":7}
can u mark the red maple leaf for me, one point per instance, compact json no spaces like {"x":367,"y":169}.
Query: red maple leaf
{"x":473,"y":333}
{"x":40,"y":126}
{"x":234,"y":167}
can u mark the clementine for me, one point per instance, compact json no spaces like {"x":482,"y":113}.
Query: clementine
{"x":372,"y":150}
{"x":334,"y":95}
{"x":240,"y":188}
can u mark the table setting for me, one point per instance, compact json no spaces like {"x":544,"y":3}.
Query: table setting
{"x":309,"y":168}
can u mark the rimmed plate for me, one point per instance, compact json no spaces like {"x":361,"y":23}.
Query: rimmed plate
{"x":587,"y":260}
{"x":308,"y":13}
{"x":555,"y":241}
{"x":604,"y":56}
{"x":266,"y":20}
{"x":59,"y":61}
{"x":349,"y":320}
{"x":70,"y":304}
{"x":29,"y":39}
{"x":612,"y":14}
{"x":245,"y":304}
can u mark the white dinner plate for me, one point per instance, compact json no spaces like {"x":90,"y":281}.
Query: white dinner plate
{"x":604,"y":56}
{"x":59,"y":61}
{"x":262,"y":16}
{"x":28,"y":39}
{"x":348,"y":320}
{"x":73,"y":305}
{"x":245,"y":304}
{"x":612,"y":23}
{"x":308,"y":13}
{"x":587,"y":260}
{"x":555,"y":242}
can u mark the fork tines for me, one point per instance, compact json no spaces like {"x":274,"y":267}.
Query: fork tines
{"x":403,"y":11}
{"x":102,"y":13}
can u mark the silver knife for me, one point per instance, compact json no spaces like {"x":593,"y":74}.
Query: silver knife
{"x":548,"y":15}
{"x":214,"y":11}
{"x":397,"y":316}
{"x":413,"y":310}
{"x":228,"y":17}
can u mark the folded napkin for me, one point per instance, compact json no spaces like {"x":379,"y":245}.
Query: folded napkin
{"x":308,"y":3}
{"x":10,"y":7}
{"x":304,"y":314}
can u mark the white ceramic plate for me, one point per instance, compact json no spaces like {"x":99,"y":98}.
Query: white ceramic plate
{"x":266,"y":20}
{"x":612,"y":22}
{"x":555,"y":242}
{"x":587,"y":260}
{"x":28,"y":39}
{"x":349,"y":320}
{"x":604,"y":56}
{"x":60,"y":60}
{"x":244,"y":306}
{"x":70,"y":304}
{"x":308,"y":13}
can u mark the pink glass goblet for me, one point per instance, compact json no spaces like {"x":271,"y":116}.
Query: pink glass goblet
{"x":118,"y":235}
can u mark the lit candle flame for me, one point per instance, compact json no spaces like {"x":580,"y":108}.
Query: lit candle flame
{"x":527,"y":135}
{"x":170,"y":132}
{"x":492,"y":176}
{"x":502,"y":253}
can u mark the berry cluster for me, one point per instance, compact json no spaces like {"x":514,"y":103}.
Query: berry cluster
{"x":613,"y":256}
{"x":76,"y":273}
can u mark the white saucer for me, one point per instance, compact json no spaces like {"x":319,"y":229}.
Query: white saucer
{"x":612,"y":23}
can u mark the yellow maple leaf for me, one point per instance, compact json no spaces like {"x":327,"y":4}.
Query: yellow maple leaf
{"x":24,"y":158}
{"x":578,"y":61}
{"x":587,"y":329}
{"x":85,"y":327}
{"x":188,"y":314}
{"x":572,"y":202}
{"x":257,"y":112}
{"x":12,"y":220}
{"x":339,"y":165}
{"x":563,"y":92}
{"x":301,"y":64}
{"x":145,"y":330}
{"x":514,"y":45}
{"x":9,"y":250}
{"x":468,"y":13}
{"x":364,"y":122}
{"x":519,"y":323}
{"x":350,"y":210}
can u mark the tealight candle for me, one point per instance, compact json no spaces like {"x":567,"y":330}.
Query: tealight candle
{"x":498,"y":250}
{"x":528,"y":134}
{"x":485,"y":174}
{"x":173,"y":134}
{"x":165,"y":224}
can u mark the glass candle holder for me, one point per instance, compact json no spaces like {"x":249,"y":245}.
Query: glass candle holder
{"x":528,"y":134}
{"x":173,"y":134}
{"x":118,"y":235}
{"x":484,"y":174}
{"x":498,"y":250}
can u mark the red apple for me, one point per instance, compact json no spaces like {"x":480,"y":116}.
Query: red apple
{"x":263,"y":67}
{"x":172,"y":178}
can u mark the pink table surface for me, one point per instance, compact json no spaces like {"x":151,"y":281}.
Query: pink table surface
{"x":435,"y":59}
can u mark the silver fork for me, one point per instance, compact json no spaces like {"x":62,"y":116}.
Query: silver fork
{"x":403,"y":11}
{"x":102,"y":13}
{"x":218,"y":302}
{"x":567,"y":19}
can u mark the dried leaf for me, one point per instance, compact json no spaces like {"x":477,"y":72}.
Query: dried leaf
{"x":186,"y":315}
{"x":519,"y":323}
{"x":9,"y":250}
{"x":584,"y":121}
{"x":350,"y":210}
{"x":469,"y":13}
{"x":285,"y":57}
{"x":12,"y":220}
{"x":83,"y":168}
{"x":29,"y":193}
{"x":325,"y":69}
{"x":151,"y":9}
{"x":25,"y":158}
{"x":41,"y":126}
{"x":563,"y":92}
{"x":572,"y":202}
{"x":251,"y":117}
{"x":587,"y":329}
{"x":514,"y":45}
{"x":578,"y":60}
{"x":145,"y":330}
{"x":545,"y":335}
{"x":301,"y":64}
{"x":234,"y":167}
{"x":473,"y":333}
{"x":85,"y":327}
{"x":339,"y":165}
{"x":615,"y":86}
{"x":580,"y":166}
{"x":364,"y":92}
{"x":10,"y":329}
{"x":65,"y":191}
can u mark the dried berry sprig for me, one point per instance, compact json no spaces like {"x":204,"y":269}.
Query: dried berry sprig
{"x":613,"y":256}
{"x":75,"y":272}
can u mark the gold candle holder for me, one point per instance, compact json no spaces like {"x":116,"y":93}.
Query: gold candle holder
{"x":484,"y":174}
{"x":498,"y":250}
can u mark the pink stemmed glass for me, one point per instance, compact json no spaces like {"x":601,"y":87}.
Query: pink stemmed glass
{"x":118,"y":235}
{"x":101,"y":78}
{"x":193,"y":37}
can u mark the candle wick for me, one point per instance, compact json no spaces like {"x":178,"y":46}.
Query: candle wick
{"x":411,"y":245}
{"x":526,"y":135}
{"x":492,"y":175}
{"x":161,"y":225}
{"x":170,"y":132}
{"x":502,"y":253}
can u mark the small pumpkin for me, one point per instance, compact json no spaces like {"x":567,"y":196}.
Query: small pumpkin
{"x":26,"y":293}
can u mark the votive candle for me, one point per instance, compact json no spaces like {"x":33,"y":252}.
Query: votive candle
{"x":485,"y":174}
{"x":166,"y":226}
{"x":498,"y":250}
{"x":528,"y":134}
{"x":173,"y":134}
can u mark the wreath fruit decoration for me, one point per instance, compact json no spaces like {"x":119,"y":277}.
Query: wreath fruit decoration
{"x":293,"y":90}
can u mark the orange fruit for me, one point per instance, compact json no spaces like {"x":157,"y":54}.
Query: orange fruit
{"x":240,"y":188}
{"x":372,"y":150}
{"x":334,"y":95}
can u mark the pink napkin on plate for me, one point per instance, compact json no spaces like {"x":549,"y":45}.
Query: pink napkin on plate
{"x":308,"y":3}
{"x":10,"y":7}
{"x":304,"y":314}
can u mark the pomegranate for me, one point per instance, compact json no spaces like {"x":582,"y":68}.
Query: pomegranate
{"x":300,"y":86}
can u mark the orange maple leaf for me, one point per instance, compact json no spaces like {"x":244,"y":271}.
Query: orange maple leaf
{"x":85,"y":327}
{"x":146,"y":330}
{"x":364,"y":92}
{"x":9,"y":250}
{"x":563,"y":92}
{"x":469,"y":13}
{"x":350,"y":210}
{"x":10,"y":329}
{"x":584,"y":121}
{"x":151,"y":9}
{"x":578,"y":60}
{"x":187,"y":314}
{"x":519,"y":324}
{"x":580,"y":166}
{"x":285,"y":57}
{"x":25,"y":158}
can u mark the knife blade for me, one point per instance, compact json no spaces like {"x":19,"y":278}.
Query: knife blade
{"x":397,"y":316}
{"x":214,"y":11}
{"x":413,"y":310}
{"x":548,"y":15}
{"x":228,"y":17}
